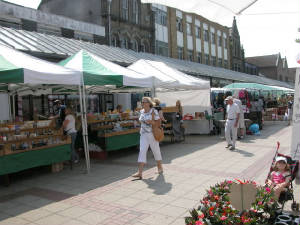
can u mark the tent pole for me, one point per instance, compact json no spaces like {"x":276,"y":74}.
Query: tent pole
{"x":14,"y":106}
{"x":85,"y":128}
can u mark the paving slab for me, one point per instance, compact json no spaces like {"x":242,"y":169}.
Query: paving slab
{"x":108,"y":192}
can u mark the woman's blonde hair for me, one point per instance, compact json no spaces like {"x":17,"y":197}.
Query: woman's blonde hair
{"x":148,"y":99}
{"x":156,"y":101}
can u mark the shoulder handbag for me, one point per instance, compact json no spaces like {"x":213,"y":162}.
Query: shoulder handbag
{"x":157,"y":130}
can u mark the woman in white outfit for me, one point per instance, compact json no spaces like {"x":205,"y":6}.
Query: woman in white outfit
{"x":147,"y":138}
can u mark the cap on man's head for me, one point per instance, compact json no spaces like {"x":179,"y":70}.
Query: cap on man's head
{"x":229,"y":98}
{"x":281,"y":158}
{"x":57,"y":101}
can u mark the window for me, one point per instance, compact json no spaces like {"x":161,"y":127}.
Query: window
{"x":188,"y":29}
{"x":124,"y":10}
{"x":180,"y":52}
{"x":190,"y":55}
{"x":199,"y":57}
{"x":162,"y":48}
{"x":220,"y":63}
{"x":225,"y":64}
{"x":225,"y":42}
{"x":213,"y":38}
{"x":143,"y":48}
{"x":83,"y":36}
{"x":213,"y":61}
{"x":114,"y":41}
{"x":179,"y":24}
{"x":206,"y":35}
{"x":135,"y":12}
{"x":160,"y":17}
{"x":198,"y":32}
{"x":124,"y":43}
{"x":52,"y":30}
{"x":220,"y":41}
{"x":134,"y":45}
{"x":206,"y":59}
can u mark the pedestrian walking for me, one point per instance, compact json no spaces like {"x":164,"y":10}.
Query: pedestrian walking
{"x":69,"y":129}
{"x":233,"y":116}
{"x":147,"y":139}
{"x":290,"y":109}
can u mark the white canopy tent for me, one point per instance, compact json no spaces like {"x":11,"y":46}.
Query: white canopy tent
{"x":171,"y":85}
{"x":22,"y":73}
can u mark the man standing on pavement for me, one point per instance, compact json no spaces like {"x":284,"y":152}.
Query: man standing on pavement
{"x":233,"y":116}
{"x":241,"y":124}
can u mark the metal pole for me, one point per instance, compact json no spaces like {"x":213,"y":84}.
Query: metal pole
{"x":85,"y":129}
{"x":109,"y":22}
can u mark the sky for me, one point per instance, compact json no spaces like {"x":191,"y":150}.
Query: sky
{"x":267,"y":27}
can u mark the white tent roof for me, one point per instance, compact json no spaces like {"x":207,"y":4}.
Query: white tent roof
{"x":167,"y":77}
{"x":36,"y":71}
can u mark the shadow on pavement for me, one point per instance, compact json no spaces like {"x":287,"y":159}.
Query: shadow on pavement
{"x":159,"y":185}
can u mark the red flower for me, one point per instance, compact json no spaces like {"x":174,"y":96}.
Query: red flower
{"x":260,"y":203}
{"x":211,"y":213}
{"x":199,"y":222}
{"x":268,"y":189}
{"x":229,"y":181}
{"x":241,"y":182}
{"x":223,"y":218}
{"x":216,"y":197}
{"x":201,"y":216}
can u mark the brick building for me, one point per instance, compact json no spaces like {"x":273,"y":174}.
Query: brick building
{"x":271,"y":66}
{"x":190,"y":37}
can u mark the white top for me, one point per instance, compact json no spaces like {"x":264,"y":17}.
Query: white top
{"x":70,"y":128}
{"x":240,"y":105}
{"x":147,"y":128}
{"x":232,"y":110}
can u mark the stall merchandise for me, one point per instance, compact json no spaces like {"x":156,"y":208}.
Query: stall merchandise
{"x":117,"y":131}
{"x":28,"y":144}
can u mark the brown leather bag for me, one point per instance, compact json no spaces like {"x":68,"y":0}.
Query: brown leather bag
{"x":157,"y":130}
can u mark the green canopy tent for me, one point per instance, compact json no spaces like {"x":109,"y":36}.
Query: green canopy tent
{"x":100,"y":72}
{"x":20,"y":72}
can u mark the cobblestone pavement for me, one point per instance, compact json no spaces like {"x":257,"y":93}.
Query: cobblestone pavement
{"x":108,"y":195}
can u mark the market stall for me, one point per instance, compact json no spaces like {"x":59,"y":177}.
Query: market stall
{"x":27,"y":144}
{"x":171,"y":85}
{"x":110,"y":129}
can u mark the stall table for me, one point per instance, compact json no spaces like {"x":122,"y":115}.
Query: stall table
{"x":197,"y":126}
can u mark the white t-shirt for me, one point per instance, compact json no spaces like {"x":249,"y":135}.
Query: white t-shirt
{"x":147,"y":128}
{"x":239,"y":103}
{"x":70,"y":128}
{"x":232,"y":110}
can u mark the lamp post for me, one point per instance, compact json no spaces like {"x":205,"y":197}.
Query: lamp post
{"x":109,"y":21}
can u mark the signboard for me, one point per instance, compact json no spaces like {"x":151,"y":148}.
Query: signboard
{"x":295,"y":146}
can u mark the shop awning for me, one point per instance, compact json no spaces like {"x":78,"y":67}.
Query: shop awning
{"x":98,"y":71}
{"x":17,"y":67}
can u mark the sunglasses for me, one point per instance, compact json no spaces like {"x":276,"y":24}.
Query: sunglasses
{"x":145,"y":102}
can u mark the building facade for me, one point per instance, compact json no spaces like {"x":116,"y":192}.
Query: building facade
{"x":128,"y":23}
{"x":271,"y":66}
{"x":191,"y":37}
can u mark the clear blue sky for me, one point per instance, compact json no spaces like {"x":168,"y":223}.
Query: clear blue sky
{"x":267,"y":27}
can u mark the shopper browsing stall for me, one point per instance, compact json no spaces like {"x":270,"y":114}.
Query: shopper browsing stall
{"x":159,"y":109}
{"x":241,"y":124}
{"x":233,"y":115}
{"x":147,"y":138}
{"x":69,"y":128}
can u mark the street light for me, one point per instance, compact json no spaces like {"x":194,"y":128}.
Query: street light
{"x":109,"y":22}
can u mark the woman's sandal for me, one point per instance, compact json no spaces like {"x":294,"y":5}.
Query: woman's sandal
{"x":137,"y":176}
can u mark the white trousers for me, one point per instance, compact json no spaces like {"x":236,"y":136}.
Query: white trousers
{"x":146,"y":140}
{"x":230,"y":132}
